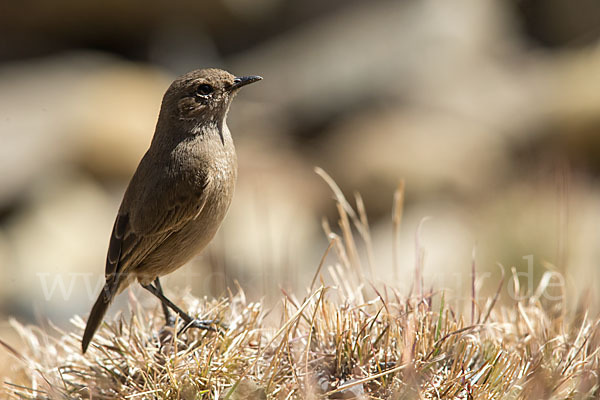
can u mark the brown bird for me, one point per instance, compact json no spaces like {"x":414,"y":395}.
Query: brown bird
{"x":179,"y":193}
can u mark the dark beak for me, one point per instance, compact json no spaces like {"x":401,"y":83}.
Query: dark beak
{"x":240,"y":81}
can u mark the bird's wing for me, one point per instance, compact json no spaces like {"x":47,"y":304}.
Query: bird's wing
{"x":160,"y":210}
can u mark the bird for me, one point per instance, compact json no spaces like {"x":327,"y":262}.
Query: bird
{"x":178,"y":195}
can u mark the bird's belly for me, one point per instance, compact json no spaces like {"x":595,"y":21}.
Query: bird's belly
{"x":187,"y":242}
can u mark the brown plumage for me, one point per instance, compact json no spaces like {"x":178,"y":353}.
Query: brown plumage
{"x":179,"y":193}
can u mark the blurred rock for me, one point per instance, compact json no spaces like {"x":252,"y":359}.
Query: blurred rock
{"x":84,"y":108}
{"x":112,"y":114}
{"x":559,"y":23}
{"x":445,"y":155}
{"x":371,"y":53}
{"x":572,"y":91}
{"x":32,"y":100}
{"x":427,"y":91}
{"x":524,"y":222}
{"x":57,"y":244}
{"x":567,"y":129}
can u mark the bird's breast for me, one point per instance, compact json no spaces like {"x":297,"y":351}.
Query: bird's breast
{"x":218,"y":177}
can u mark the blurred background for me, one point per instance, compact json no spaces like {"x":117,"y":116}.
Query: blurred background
{"x":489,"y":110}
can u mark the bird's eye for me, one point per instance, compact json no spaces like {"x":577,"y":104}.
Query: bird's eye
{"x":204,"y":89}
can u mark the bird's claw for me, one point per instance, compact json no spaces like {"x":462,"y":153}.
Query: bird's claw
{"x":170,"y":321}
{"x":207,"y":325}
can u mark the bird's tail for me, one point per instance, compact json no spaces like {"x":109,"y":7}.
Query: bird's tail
{"x":96,"y":316}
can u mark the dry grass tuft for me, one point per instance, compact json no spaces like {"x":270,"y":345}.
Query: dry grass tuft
{"x":346,"y":339}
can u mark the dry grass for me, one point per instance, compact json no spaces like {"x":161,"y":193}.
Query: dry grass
{"x":345,"y":339}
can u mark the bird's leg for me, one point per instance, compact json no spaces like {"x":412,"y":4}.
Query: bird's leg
{"x":166,"y":303}
{"x":169,"y":319}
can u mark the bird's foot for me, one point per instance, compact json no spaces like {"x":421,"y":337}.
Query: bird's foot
{"x":207,"y":325}
{"x":170,"y":321}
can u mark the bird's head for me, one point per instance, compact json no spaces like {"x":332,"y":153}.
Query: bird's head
{"x":203,"y":96}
